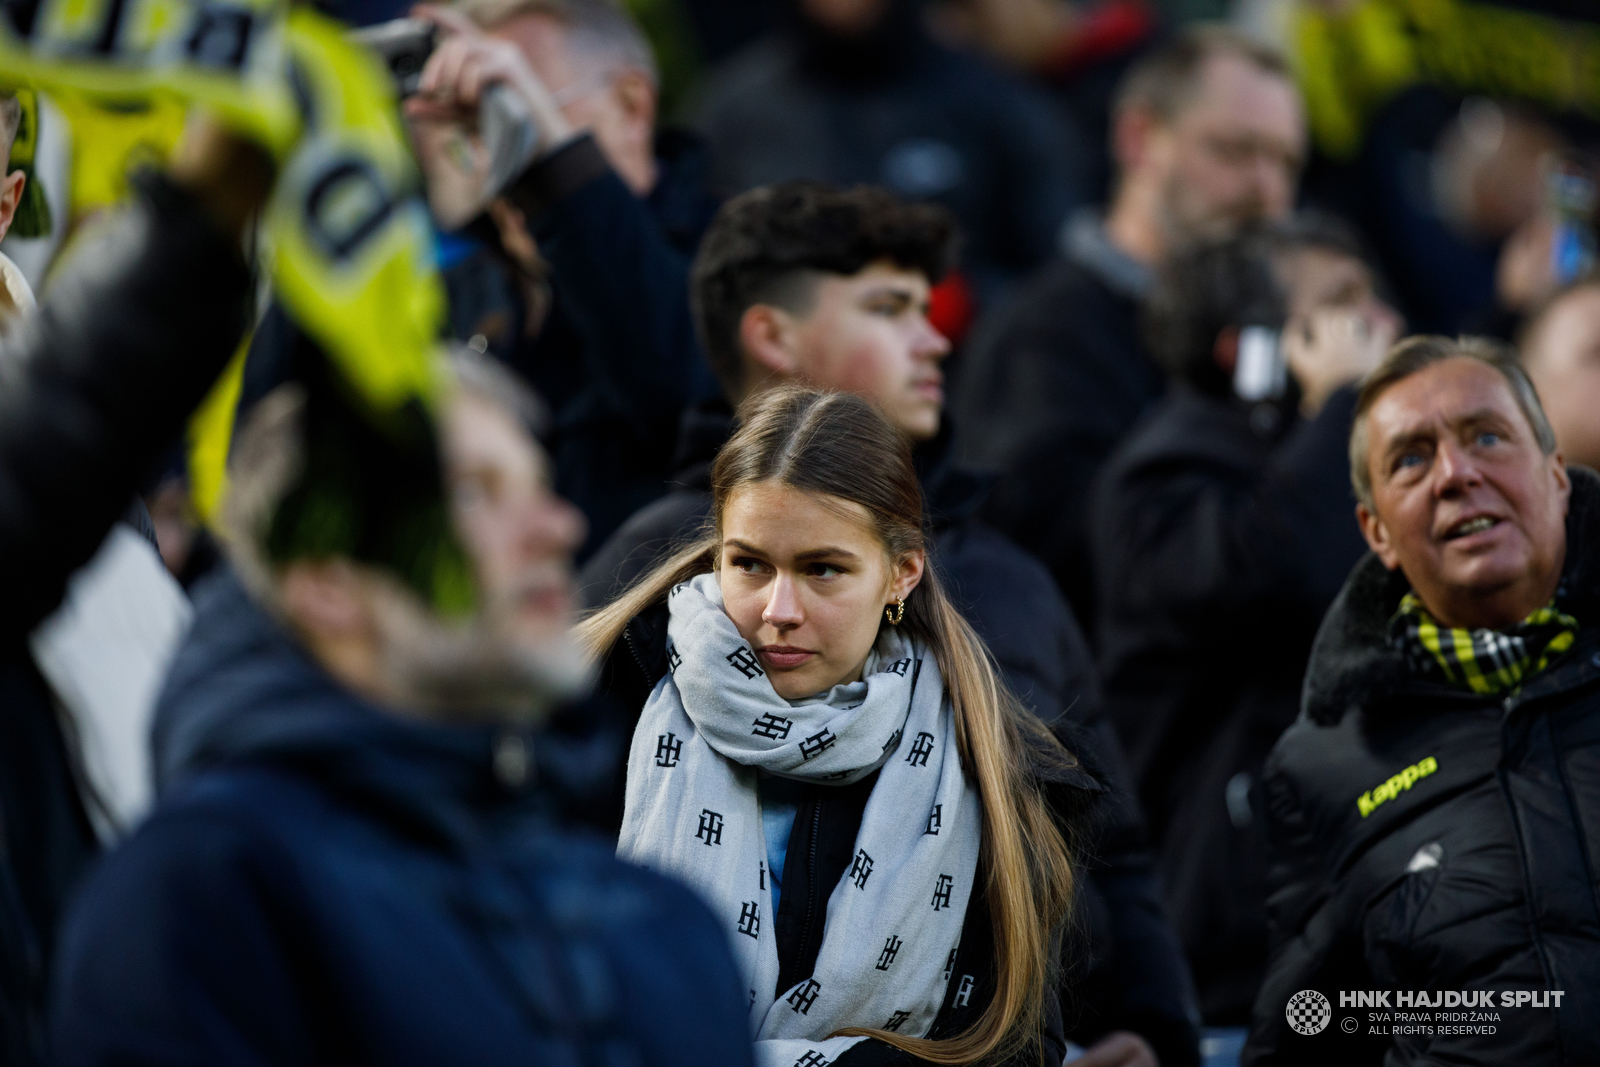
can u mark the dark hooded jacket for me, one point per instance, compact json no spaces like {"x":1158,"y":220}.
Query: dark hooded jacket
{"x":97,"y":384}
{"x":1127,"y":969}
{"x":1221,"y":532}
{"x":326,"y":882}
{"x":1428,"y":841}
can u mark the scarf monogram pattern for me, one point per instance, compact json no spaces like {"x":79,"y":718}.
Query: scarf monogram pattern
{"x":692,"y":811}
{"x":1485,"y":661}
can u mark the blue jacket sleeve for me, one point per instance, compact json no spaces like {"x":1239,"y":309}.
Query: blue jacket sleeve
{"x":622,"y":282}
{"x":173,"y":958}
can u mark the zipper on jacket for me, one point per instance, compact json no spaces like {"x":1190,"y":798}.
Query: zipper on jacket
{"x":633,"y":648}
{"x":811,"y":885}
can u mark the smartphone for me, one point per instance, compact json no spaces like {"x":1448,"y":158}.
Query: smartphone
{"x":465,"y":164}
{"x":1570,"y":198}
{"x":404,"y":45}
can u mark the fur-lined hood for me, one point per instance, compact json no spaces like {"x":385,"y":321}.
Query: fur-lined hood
{"x":1353,"y":661}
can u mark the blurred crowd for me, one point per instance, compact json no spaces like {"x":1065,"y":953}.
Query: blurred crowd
{"x":374,"y":437}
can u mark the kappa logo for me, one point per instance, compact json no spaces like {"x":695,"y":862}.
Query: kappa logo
{"x":1308,"y":1012}
{"x":1368,"y":802}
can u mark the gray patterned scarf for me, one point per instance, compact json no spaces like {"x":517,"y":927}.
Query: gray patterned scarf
{"x":895,"y":918}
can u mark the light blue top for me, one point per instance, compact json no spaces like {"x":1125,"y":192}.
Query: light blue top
{"x":780,"y":800}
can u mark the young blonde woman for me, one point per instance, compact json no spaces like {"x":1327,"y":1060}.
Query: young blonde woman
{"x":828,"y":757}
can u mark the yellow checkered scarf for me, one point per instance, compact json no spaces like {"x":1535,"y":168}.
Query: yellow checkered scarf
{"x":1485,"y":661}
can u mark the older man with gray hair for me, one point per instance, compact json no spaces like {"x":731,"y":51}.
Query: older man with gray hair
{"x":600,"y":228}
{"x":1433,"y":812}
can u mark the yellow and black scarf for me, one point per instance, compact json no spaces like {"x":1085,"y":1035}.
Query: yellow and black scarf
{"x":1485,"y":661}
{"x":346,"y":242}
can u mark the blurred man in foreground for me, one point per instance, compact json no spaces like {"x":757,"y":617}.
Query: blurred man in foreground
{"x":1208,"y":136}
{"x":1432,"y":812}
{"x":357,"y":854}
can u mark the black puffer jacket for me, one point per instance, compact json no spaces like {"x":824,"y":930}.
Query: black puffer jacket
{"x":1221,"y":533}
{"x":94,"y":388}
{"x":1473,"y":872}
{"x":1127,"y":971}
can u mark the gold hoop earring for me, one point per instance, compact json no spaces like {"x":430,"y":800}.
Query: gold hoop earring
{"x":896,"y":613}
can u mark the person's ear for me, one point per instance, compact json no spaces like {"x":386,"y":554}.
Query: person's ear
{"x":1377,"y":536}
{"x":767,"y":336}
{"x":908,"y":570}
{"x":637,"y":98}
{"x":11,"y":187}
{"x":324,"y":600}
{"x":1131,"y":132}
{"x":1558,"y":463}
{"x":1225,"y":350}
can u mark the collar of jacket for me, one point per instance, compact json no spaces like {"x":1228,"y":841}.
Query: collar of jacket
{"x":1085,"y":242}
{"x":950,"y":493}
{"x":1353,"y":662}
{"x":242,"y":691}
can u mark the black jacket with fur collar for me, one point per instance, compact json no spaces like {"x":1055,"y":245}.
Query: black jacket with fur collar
{"x":1437,"y":850}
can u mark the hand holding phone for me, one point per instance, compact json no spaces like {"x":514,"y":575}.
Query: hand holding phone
{"x":1333,"y":347}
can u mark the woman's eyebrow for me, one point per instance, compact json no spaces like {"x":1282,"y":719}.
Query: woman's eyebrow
{"x":829,"y":552}
{"x":825,"y":552}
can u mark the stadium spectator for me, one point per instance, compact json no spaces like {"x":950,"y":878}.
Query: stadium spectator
{"x":581,"y":286}
{"x":1431,"y":811}
{"x":357,"y":853}
{"x":807,"y":608}
{"x":1221,"y":531}
{"x":1208,"y":136}
{"x":803,"y":283}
